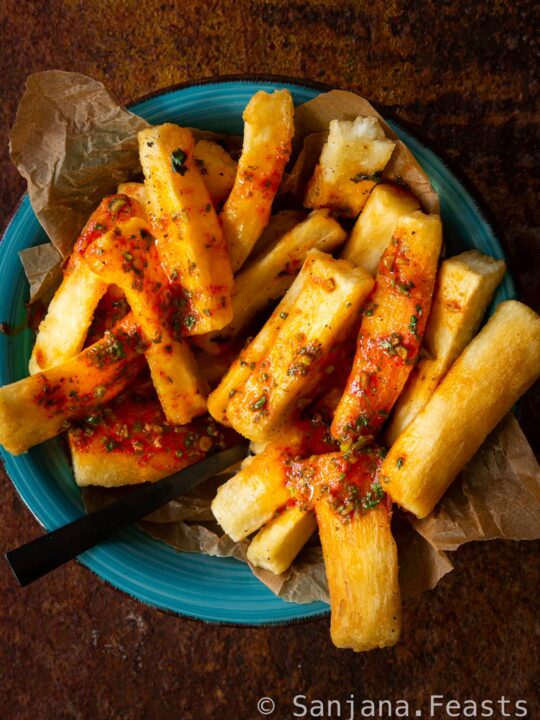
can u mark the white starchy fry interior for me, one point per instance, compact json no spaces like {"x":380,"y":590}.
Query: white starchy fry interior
{"x":277,"y":543}
{"x":69,"y":315}
{"x":375,"y":226}
{"x":353,"y":147}
{"x":265,"y":106}
{"x":218,"y":169}
{"x":250,"y":498}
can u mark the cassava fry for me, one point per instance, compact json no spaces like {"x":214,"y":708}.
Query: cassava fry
{"x":360,"y":554}
{"x":127,"y":256}
{"x":268,"y":130}
{"x":326,"y":307}
{"x":350,"y":165}
{"x":493,"y":371}
{"x":217,"y":168}
{"x":241,"y":368}
{"x":278,"y":542}
{"x":37,"y":408}
{"x":189,"y":236}
{"x":62,"y":332}
{"x":465,"y":285}
{"x":130,"y":441}
{"x":249,"y":499}
{"x":361,"y":564}
{"x":392,"y":326}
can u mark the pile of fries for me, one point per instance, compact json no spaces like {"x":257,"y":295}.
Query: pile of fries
{"x":192,"y":310}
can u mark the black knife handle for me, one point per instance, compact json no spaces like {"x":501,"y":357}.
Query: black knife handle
{"x":38,"y":557}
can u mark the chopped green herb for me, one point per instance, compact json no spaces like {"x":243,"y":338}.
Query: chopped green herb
{"x":110,"y":444}
{"x":406,"y":288}
{"x":391,"y":343}
{"x":190,"y":321}
{"x":178,"y":161}
{"x":361,"y":421}
{"x":190,"y":439}
{"x":116,"y":349}
{"x":260,"y":403}
{"x":370,"y":309}
{"x":373,"y":497}
{"x":399,"y":463}
{"x":115,"y":204}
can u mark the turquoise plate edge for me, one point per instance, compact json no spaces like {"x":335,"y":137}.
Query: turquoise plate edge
{"x":221,"y":590}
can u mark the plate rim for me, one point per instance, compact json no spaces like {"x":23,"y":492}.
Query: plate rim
{"x":481,"y":207}
{"x":386,"y":111}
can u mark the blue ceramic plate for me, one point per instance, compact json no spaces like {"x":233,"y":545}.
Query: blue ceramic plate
{"x":207,"y":588}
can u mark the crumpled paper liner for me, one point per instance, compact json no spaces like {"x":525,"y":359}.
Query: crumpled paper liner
{"x":74,"y":144}
{"x":43,"y":268}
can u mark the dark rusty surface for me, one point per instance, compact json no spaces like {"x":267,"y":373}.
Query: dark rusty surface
{"x":463,"y":75}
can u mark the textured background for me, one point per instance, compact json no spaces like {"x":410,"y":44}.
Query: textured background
{"x":462,"y":74}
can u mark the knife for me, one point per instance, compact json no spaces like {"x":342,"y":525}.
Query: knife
{"x":38,"y":557}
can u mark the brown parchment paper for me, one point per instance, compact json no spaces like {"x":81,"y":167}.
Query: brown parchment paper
{"x":74,"y":144}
